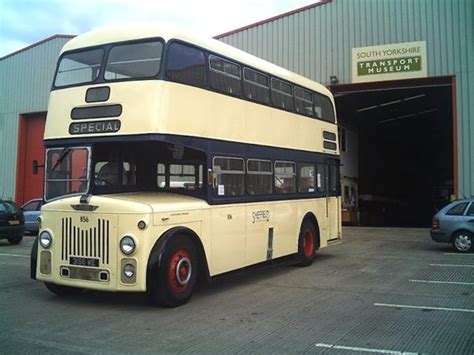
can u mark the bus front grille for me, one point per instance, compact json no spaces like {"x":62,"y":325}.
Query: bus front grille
{"x":91,"y":243}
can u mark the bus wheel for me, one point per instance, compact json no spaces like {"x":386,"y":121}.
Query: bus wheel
{"x":34,"y":259}
{"x":173,"y":280}
{"x":62,"y":291}
{"x":306,"y":244}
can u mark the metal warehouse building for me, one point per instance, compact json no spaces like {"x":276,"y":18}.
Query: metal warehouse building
{"x":26,"y":78}
{"x":402,"y":75}
{"x":403,"y":79}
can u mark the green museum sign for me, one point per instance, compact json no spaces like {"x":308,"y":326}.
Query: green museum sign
{"x":389,"y":62}
{"x":396,"y":65}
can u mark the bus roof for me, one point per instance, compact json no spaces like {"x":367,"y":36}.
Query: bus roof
{"x":131,"y":32}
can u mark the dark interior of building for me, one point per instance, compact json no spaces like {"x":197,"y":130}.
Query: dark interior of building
{"x":405,"y":152}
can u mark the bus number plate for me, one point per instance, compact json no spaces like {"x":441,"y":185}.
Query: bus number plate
{"x":84,"y":261}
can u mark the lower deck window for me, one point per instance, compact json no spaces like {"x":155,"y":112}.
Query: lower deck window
{"x":259,"y":177}
{"x":115,"y":173}
{"x":179,"y":176}
{"x":228,"y":176}
{"x":285,"y":177}
{"x":306,"y":181}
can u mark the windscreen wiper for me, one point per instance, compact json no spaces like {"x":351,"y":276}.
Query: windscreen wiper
{"x":62,"y":156}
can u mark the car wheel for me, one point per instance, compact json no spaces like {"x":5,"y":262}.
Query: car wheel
{"x":62,"y":291}
{"x":307,"y":244}
{"x":15,"y":240}
{"x":172,"y":280}
{"x":463,"y":241}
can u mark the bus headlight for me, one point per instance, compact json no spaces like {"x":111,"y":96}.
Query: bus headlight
{"x":127,"y":245}
{"x":129,"y":270}
{"x":45,"y":239}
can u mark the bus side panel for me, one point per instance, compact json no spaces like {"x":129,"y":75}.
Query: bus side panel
{"x":186,"y":110}
{"x":258,"y":124}
{"x":286,"y":228}
{"x":290,"y":130}
{"x":227,"y":118}
{"x":190,"y":111}
{"x":322,"y":216}
{"x":228,"y":238}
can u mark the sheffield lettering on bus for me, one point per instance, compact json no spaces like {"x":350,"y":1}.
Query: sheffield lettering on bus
{"x":94,"y":127}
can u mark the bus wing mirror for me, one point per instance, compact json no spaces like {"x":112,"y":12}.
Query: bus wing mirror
{"x":178,"y":151}
{"x":36,"y":166}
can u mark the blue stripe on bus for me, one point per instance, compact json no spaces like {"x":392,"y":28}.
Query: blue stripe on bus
{"x":214,"y":147}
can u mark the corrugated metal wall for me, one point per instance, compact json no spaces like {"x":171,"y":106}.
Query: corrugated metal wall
{"x":317,"y":43}
{"x":25,"y":81}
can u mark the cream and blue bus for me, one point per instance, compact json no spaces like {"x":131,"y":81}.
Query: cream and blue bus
{"x":172,"y":159}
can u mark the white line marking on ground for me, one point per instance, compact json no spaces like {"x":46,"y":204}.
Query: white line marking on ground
{"x":451,"y":265}
{"x":366,"y":350}
{"x":458,"y":254}
{"x":424,"y":307}
{"x":15,"y":255}
{"x":444,"y":282}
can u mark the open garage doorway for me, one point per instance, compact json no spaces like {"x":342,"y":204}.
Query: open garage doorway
{"x":397,"y":150}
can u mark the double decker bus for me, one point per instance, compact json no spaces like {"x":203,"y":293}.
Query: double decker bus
{"x":171,"y":159}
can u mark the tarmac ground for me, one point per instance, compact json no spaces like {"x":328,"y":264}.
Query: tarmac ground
{"x":382,"y":290}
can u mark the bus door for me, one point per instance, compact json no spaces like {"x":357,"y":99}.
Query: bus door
{"x":322,"y":208}
{"x":332,"y":200}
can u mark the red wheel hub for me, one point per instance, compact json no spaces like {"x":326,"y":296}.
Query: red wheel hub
{"x":308,"y":243}
{"x":180,"y":270}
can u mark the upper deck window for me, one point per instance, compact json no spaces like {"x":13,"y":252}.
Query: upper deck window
{"x":224,"y":76}
{"x":79,"y":67}
{"x":186,"y":65}
{"x":256,"y":86}
{"x":136,"y":60}
{"x":323,"y":108}
{"x":303,"y":101}
{"x":282,"y":94}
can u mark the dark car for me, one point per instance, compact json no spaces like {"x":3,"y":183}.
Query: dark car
{"x":12,"y":222}
{"x":31,"y":211}
{"x":455,"y":224}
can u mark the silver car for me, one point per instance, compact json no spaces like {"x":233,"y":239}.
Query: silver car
{"x":454,"y":224}
{"x":31,"y":211}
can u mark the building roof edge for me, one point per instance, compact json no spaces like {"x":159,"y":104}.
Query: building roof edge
{"x":274,"y":18}
{"x":50,"y":38}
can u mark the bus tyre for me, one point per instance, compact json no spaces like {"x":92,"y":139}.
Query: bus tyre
{"x":306,"y":244}
{"x":34,"y":259}
{"x":172,"y":280}
{"x":63,"y":291}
